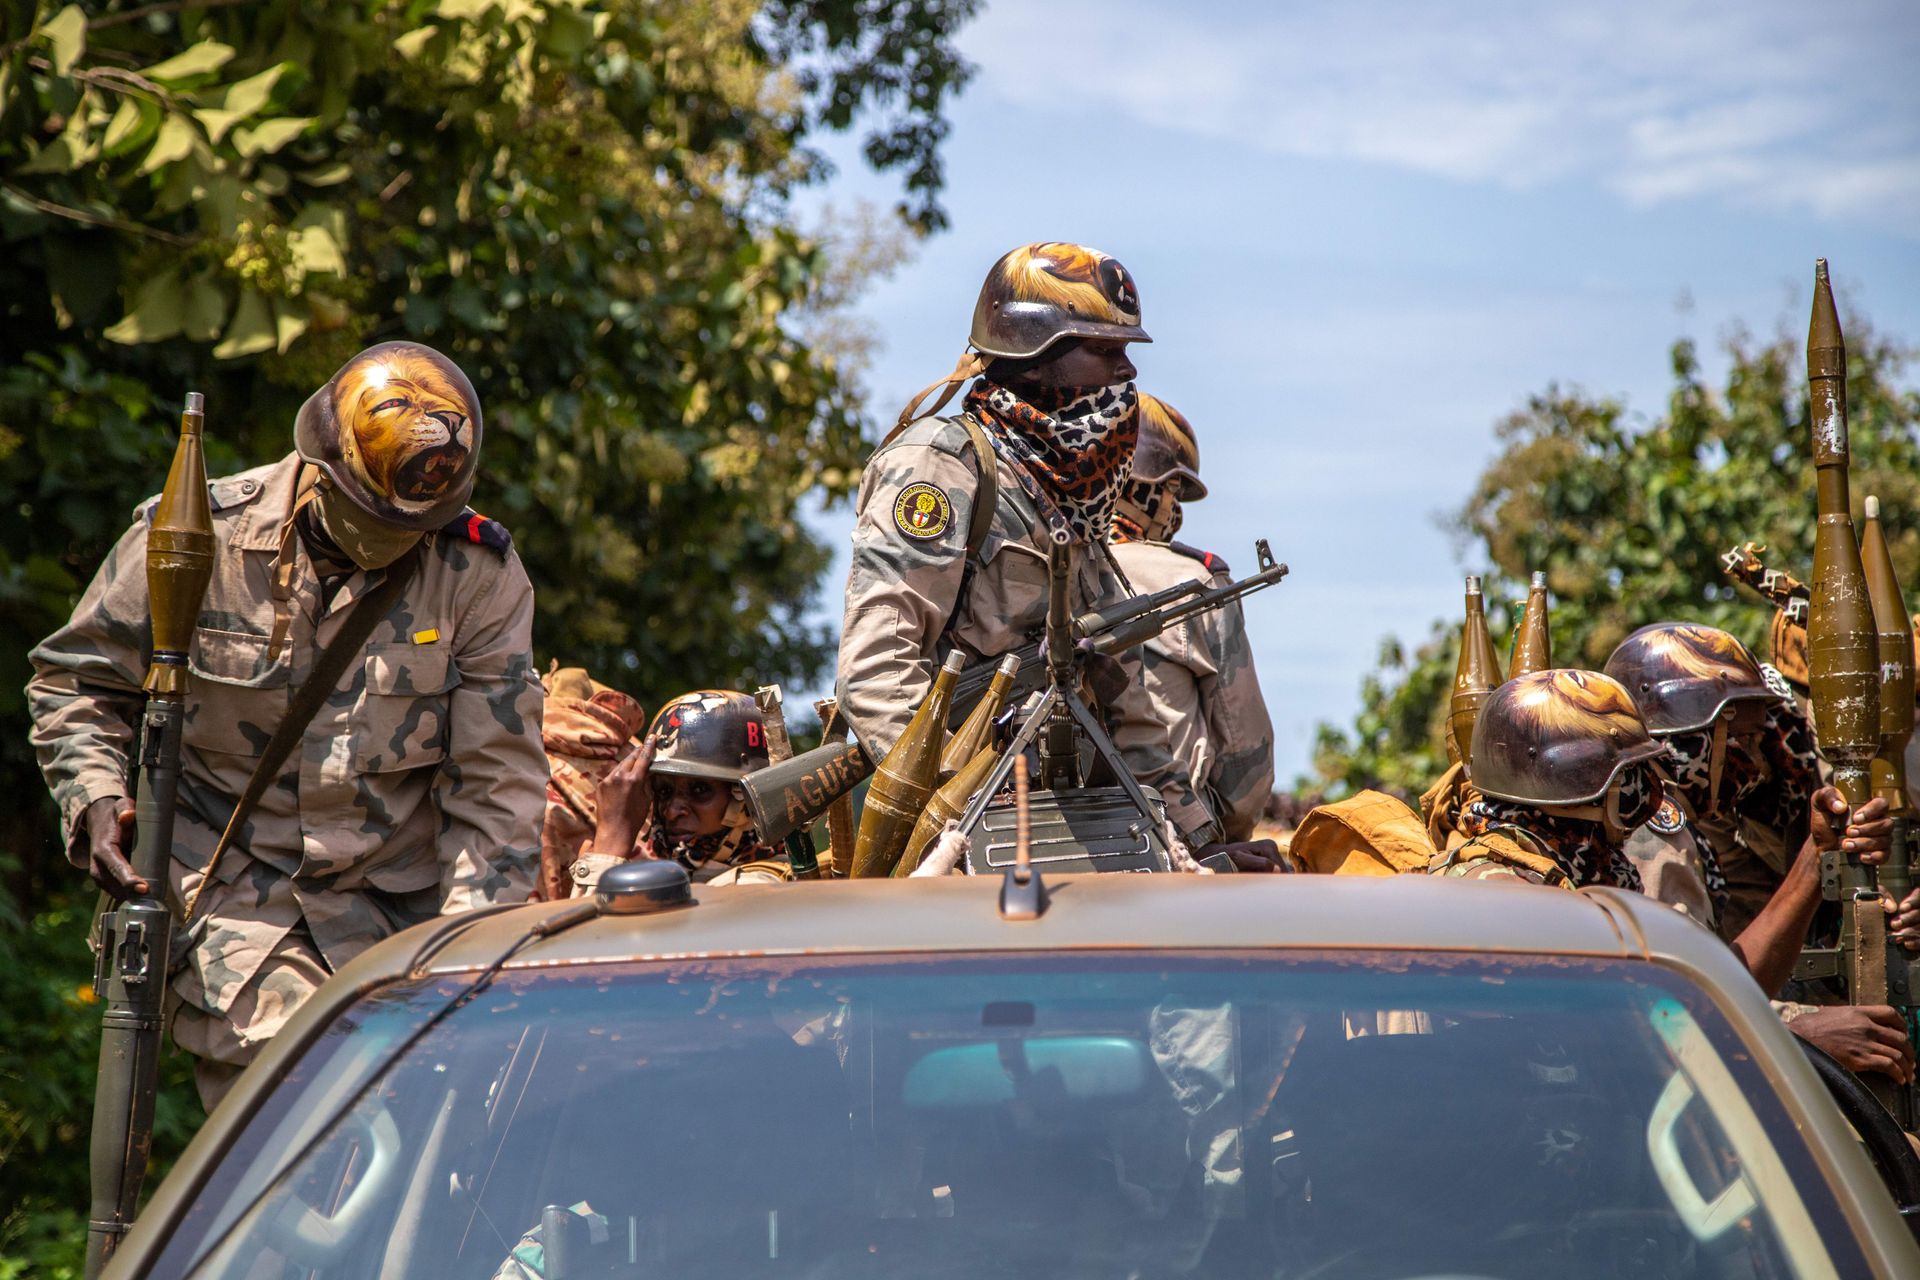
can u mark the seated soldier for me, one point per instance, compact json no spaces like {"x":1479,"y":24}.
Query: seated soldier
{"x":1567,"y":772}
{"x":678,"y":797}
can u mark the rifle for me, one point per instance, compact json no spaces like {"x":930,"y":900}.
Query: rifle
{"x":1113,"y":629}
{"x":136,"y":938}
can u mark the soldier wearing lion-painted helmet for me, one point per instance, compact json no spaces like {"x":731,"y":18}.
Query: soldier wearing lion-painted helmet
{"x":956,"y":514}
{"x":1200,"y":675}
{"x":415,"y":787}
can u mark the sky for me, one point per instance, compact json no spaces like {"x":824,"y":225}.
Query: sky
{"x":1365,"y":232}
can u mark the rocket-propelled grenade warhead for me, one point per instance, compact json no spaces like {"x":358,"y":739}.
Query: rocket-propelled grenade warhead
{"x":179,"y":556}
{"x":1532,"y":641}
{"x":1894,"y":634}
{"x":1843,"y":656}
{"x":1476,"y":674}
{"x":904,"y":781}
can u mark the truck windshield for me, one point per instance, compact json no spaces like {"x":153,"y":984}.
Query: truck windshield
{"x":1051,"y":1115}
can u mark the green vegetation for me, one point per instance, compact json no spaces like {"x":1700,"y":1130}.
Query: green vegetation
{"x":586,"y":202}
{"x":1629,"y":522}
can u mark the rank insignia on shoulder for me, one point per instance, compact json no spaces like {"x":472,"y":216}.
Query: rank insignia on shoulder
{"x":1212,"y":562}
{"x":1666,"y":819}
{"x":922,"y":511}
{"x":471,"y":526}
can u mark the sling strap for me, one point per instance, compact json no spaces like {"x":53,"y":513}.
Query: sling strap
{"x":320,"y":682}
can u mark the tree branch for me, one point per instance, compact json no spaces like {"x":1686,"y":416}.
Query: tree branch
{"x":145,"y":10}
{"x":94,"y":219}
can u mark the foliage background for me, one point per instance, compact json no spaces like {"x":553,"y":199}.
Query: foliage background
{"x":586,"y":202}
{"x":1629,"y":521}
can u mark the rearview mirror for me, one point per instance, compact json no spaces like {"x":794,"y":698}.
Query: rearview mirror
{"x":1080,"y":1068}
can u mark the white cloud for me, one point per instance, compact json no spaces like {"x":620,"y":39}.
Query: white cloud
{"x":1766,"y":104}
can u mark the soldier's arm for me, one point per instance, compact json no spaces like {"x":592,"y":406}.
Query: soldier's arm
{"x":902,"y":585}
{"x":1238,"y":724}
{"x":1145,"y":743}
{"x":85,"y":693}
{"x":491,"y":788}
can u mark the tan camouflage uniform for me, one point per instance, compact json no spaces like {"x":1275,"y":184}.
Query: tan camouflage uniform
{"x":1505,"y":853}
{"x":904,"y":607}
{"x":1201,"y":682}
{"x":415,"y":791}
{"x":1672,"y":869}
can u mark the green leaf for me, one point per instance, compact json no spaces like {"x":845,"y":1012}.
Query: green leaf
{"x":328,"y":175}
{"x":206,"y":307}
{"x":289,"y":322}
{"x":202,"y":58}
{"x":159,"y":311}
{"x":269,"y":136}
{"x":175,"y":142}
{"x":410,"y":44}
{"x":216,"y":122}
{"x":244,"y":97}
{"x":73,"y":148}
{"x":315,"y":251}
{"x":66,"y":34}
{"x":131,"y":125}
{"x":568,"y":34}
{"x":252,"y":330}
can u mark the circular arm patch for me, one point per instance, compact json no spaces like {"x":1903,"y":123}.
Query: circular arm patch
{"x":922,"y":511}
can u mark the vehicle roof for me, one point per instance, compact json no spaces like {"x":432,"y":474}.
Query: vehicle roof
{"x":1088,"y":911}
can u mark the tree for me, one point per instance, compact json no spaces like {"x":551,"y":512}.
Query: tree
{"x":584,"y":202}
{"x":1629,"y":523}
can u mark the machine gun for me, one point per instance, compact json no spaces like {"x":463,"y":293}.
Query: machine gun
{"x":1074,"y":825}
{"x":136,"y":938}
{"x":790,"y":796}
{"x":1113,"y":629}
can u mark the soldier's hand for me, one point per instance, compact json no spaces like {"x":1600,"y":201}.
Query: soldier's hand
{"x":1906,"y":921}
{"x":109,"y":825}
{"x":1251,"y":856}
{"x":1860,"y":1038}
{"x":1869,"y":829}
{"x":623,"y":802}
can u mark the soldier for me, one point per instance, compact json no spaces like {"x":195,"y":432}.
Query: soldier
{"x":1043,"y":448}
{"x":1199,"y":674}
{"x":1567,"y":772}
{"x":1740,"y":770}
{"x":411,"y":781}
{"x":678,"y":796}
{"x":587,"y":729}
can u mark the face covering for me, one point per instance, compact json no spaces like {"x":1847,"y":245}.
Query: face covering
{"x":1078,"y":440}
{"x":1581,"y":846}
{"x":1147,"y":512}
{"x":369,"y":542}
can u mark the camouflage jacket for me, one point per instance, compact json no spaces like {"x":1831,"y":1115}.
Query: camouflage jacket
{"x":905,"y":608}
{"x":1667,"y":852}
{"x":1201,"y":682}
{"x":1504,"y":853}
{"x":421,"y":780}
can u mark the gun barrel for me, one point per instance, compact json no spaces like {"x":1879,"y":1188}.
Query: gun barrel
{"x":784,"y":798}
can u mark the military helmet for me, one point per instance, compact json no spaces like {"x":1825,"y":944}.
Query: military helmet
{"x":1682,"y":675}
{"x":711,"y":733}
{"x":1042,"y":292}
{"x":397,"y":430}
{"x":1167,"y":449}
{"x":1557,"y":737}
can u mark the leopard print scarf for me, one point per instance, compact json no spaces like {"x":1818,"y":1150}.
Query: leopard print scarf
{"x":1079,"y":440}
{"x":1579,"y":846}
{"x":1147,"y":512}
{"x":1767,"y":778}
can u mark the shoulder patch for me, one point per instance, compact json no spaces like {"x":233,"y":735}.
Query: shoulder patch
{"x":1212,"y":562}
{"x":471,"y":526}
{"x":922,"y":511}
{"x":1667,"y":819}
